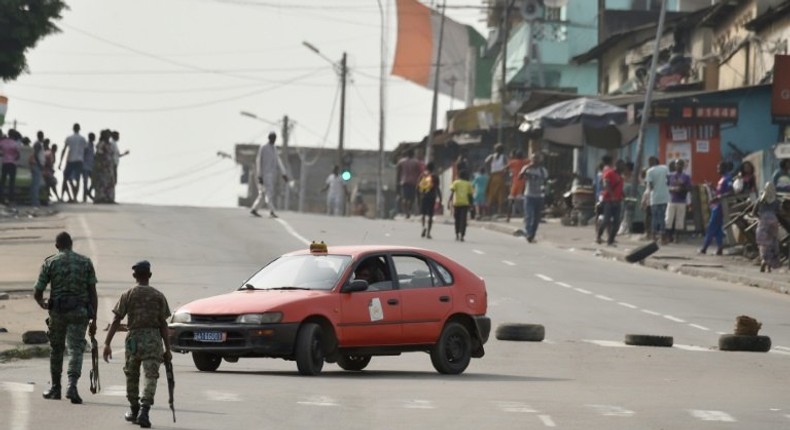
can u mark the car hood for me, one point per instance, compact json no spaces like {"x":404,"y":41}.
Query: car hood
{"x":248,"y":301}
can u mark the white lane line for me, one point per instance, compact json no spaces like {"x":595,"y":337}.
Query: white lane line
{"x":649,"y":312}
{"x":608,"y":299}
{"x":509,"y":263}
{"x":222,"y":396}
{"x":20,"y":404}
{"x":94,"y":255}
{"x":319,"y":401}
{"x":478,"y":252}
{"x":608,"y":343}
{"x":712,"y":416}
{"x":583,"y":291}
{"x":114,"y":390}
{"x":701,"y":327}
{"x":628,"y":305}
{"x":418,"y":404}
{"x":292,"y":232}
{"x":780,"y":352}
{"x":563,"y":284}
{"x":612,"y":410}
{"x":547,"y":421}
{"x":783,"y":348}
{"x":693,"y":348}
{"x":675,"y":319}
{"x":516,"y":407}
{"x":544,"y":277}
{"x":16,"y":387}
{"x":720,"y":333}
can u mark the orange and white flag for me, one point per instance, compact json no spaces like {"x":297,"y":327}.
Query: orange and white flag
{"x":417,"y":49}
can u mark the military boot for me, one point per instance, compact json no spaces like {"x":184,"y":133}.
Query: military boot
{"x":54,"y":389}
{"x":142,"y":419}
{"x":131,"y":416}
{"x":71,"y":392}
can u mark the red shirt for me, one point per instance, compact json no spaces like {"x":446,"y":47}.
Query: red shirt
{"x":613,"y":188}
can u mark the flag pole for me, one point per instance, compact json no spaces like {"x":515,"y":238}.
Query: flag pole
{"x":434,"y":108}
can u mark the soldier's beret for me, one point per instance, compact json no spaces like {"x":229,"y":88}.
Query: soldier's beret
{"x":142,"y":266}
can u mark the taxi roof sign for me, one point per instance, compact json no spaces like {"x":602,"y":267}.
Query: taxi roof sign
{"x":318,"y":248}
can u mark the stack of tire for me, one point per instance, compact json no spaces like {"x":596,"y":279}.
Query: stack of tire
{"x":745,"y":337}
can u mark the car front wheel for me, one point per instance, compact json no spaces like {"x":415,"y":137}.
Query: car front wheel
{"x":205,"y":361}
{"x":453,"y":351}
{"x":353,"y":362}
{"x":310,"y":352}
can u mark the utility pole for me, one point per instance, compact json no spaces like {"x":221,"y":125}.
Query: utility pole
{"x":503,"y":85}
{"x":435,"y":105}
{"x":286,"y":133}
{"x":651,"y":82}
{"x":343,"y":78}
{"x":382,"y":101}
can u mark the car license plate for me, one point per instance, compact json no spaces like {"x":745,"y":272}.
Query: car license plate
{"x":210,"y":336}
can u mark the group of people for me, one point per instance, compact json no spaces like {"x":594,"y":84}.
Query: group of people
{"x":72,"y":306}
{"x":91,"y":165}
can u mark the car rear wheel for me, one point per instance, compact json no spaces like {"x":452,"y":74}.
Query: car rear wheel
{"x":353,"y":362}
{"x":310,"y":352}
{"x":453,"y":351}
{"x":206,"y":362}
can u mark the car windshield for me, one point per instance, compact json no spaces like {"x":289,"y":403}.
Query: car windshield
{"x":308,"y":272}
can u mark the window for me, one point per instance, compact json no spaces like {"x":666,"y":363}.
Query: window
{"x":376,"y":271}
{"x":553,"y":14}
{"x":415,"y":272}
{"x":314,"y":272}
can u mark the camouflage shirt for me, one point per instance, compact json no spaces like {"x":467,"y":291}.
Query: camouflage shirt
{"x":145,"y":307}
{"x":70,"y":274}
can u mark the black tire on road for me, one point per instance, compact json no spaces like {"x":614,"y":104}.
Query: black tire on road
{"x":642,"y":252}
{"x":522,"y":332}
{"x":353,"y":362}
{"x":205,"y":361}
{"x":739,"y":342}
{"x":310,"y":352}
{"x":453,"y":352}
{"x":648,"y":340}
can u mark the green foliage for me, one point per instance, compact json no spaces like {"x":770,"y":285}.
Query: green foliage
{"x":22,"y":24}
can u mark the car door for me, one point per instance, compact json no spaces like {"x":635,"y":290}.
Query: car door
{"x":426,"y":298}
{"x":372,"y":317}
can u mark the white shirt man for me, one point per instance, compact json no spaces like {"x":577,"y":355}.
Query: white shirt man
{"x":336,"y":193}
{"x":268,"y":166}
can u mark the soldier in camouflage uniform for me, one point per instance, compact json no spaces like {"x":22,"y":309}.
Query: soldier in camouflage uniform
{"x":72,"y":306}
{"x":147,"y":312}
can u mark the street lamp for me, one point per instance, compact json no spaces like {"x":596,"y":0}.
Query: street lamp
{"x":342,"y":70}
{"x":253,"y":116}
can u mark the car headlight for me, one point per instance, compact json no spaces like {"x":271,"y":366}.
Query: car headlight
{"x":181,"y":317}
{"x":264,"y":318}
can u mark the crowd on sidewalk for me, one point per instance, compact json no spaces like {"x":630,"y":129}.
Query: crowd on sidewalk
{"x":90,"y":165}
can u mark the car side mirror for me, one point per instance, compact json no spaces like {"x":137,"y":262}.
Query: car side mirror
{"x":355,"y":286}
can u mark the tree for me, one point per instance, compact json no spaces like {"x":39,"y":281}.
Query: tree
{"x":22,"y":24}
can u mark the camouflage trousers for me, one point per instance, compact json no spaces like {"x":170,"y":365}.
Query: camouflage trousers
{"x":143,"y":349}
{"x":67,"y":330}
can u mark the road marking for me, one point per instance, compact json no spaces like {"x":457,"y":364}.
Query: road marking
{"x":628,"y":305}
{"x":787,"y":416}
{"x":720,"y":332}
{"x":783,"y":348}
{"x":676,"y":319}
{"x":16,"y":387}
{"x":608,"y":299}
{"x":612,"y":411}
{"x":583,"y":291}
{"x":516,"y":407}
{"x":478,"y":252}
{"x":292,"y":232}
{"x":418,"y":404}
{"x":544,"y":277}
{"x":114,"y":390}
{"x":608,"y":343}
{"x":221,"y":396}
{"x":649,"y":312}
{"x":694,"y":348}
{"x":89,"y":237}
{"x":319,"y":401}
{"x":780,"y":352}
{"x":509,"y":263}
{"x":701,"y":327}
{"x":712,"y":416}
{"x":563,"y":284}
{"x":547,"y":421}
{"x":20,"y":404}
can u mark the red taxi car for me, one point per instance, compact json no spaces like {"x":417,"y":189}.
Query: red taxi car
{"x":342,"y":304}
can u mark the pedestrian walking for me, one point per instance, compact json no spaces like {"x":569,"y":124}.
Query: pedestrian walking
{"x":72,"y":308}
{"x":517,"y":182}
{"x":535,"y":176}
{"x":147,"y":311}
{"x":679,"y":187}
{"x":480,"y":185}
{"x":268,"y":165}
{"x":36,"y":165}
{"x":75,"y":145}
{"x":115,"y":136}
{"x":407,"y":173}
{"x":497,"y":166}
{"x":103,"y":179}
{"x":51,"y":182}
{"x":430,"y":192}
{"x":87,"y":168}
{"x":336,"y":193}
{"x":611,"y":200}
{"x":657,"y":179}
{"x":715,"y":228}
{"x":10,"y":150}
{"x":766,"y":209}
{"x":459,"y":201}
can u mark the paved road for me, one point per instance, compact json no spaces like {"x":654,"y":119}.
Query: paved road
{"x":581,"y":377}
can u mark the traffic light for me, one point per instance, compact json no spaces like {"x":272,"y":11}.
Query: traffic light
{"x":346,"y":174}
{"x":345,"y":171}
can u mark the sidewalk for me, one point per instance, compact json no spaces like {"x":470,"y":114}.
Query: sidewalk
{"x":677,"y":257}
